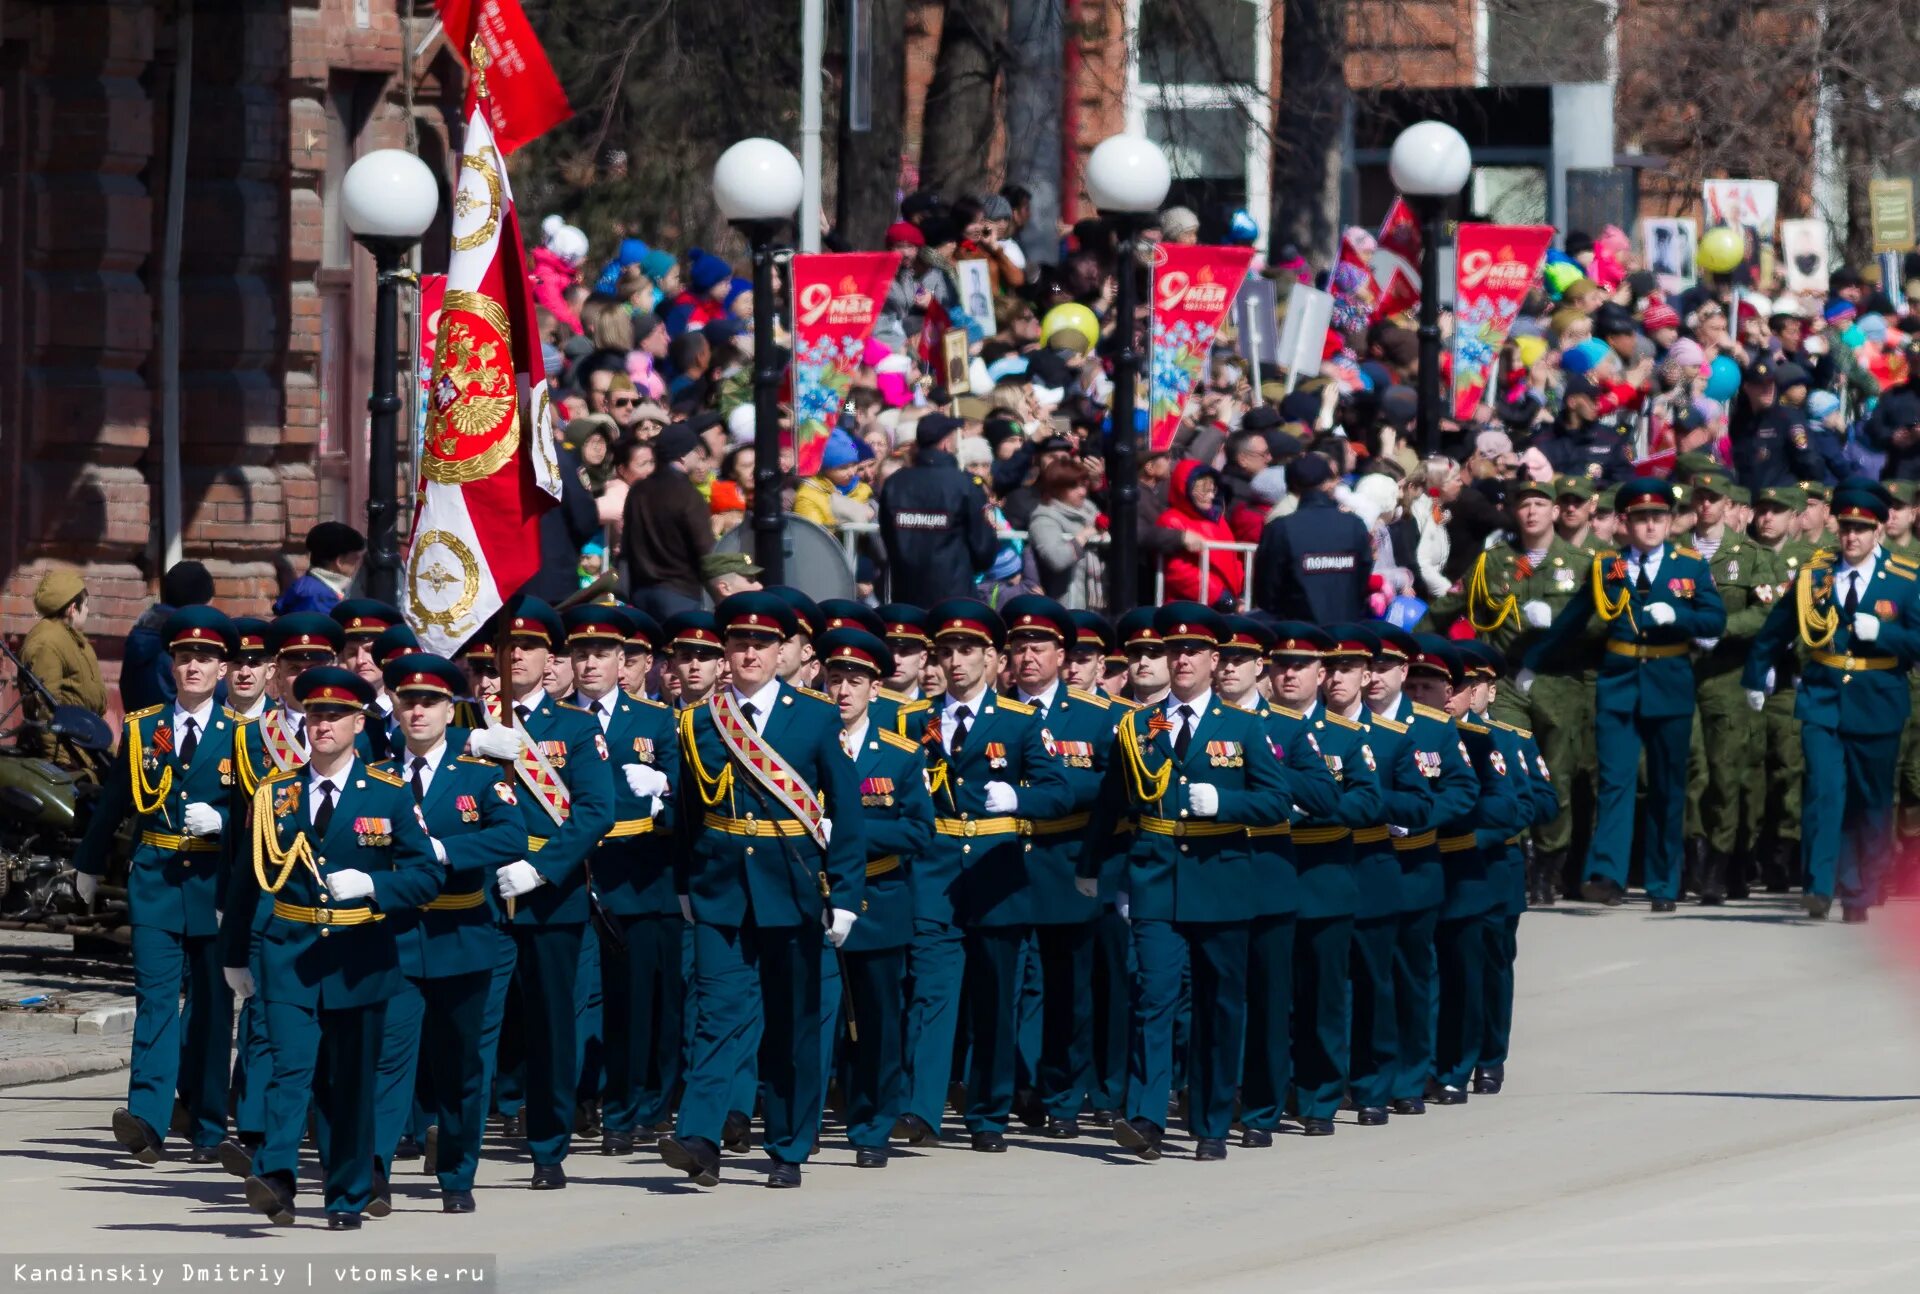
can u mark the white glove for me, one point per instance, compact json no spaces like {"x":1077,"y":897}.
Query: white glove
{"x":349,"y":885}
{"x":826,"y":830}
{"x":496,"y":743}
{"x":839,"y":924}
{"x":1756,"y":701}
{"x":1001,"y":798}
{"x":1770,"y":682}
{"x":659,"y":807}
{"x":1088,"y":886}
{"x":240,"y":980}
{"x":86,"y":886}
{"x":1203,"y":800}
{"x":1866,"y":628}
{"x":1661,"y":613}
{"x":686,"y":908}
{"x":1524,"y":680}
{"x":1123,"y":904}
{"x":644,"y":780}
{"x":1538,"y":613}
{"x":1395,"y":831}
{"x":1706,"y":644}
{"x":517,"y":878}
{"x":201,"y":820}
{"x":439,"y":850}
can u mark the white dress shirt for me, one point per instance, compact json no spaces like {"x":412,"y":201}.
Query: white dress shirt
{"x":315,"y":781}
{"x":852,"y":739}
{"x":762,"y":702}
{"x":533,"y":701}
{"x":432,"y":766}
{"x":601,"y":709}
{"x":1855,"y":578}
{"x":1651,"y":560}
{"x":200,"y":717}
{"x":948,"y":709}
{"x":1198,"y":706}
{"x":1044,"y":700}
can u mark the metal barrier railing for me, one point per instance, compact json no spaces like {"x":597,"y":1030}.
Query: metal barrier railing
{"x":1207,"y":548}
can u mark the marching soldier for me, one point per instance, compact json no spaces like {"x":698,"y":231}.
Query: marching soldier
{"x":1402,"y":674}
{"x":1858,"y":614}
{"x":906,"y":637}
{"x":632,"y":879}
{"x":638,"y":653}
{"x":1093,"y":653}
{"x":173,"y":774}
{"x":363,"y":621}
{"x":337,"y":846}
{"x":1088,"y":652}
{"x":450,"y":946}
{"x":249,"y":670}
{"x":1193,"y":774}
{"x":797,"y":659}
{"x":1773,"y":793}
{"x":974,"y":895}
{"x":777,"y":851}
{"x":1655,"y":598}
{"x":1147,"y":676}
{"x":899,"y":826}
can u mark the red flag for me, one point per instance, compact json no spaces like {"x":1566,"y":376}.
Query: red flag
{"x":523,"y":98}
{"x":1495,"y":267}
{"x":1396,"y":262}
{"x":837,"y":300}
{"x":931,"y":331}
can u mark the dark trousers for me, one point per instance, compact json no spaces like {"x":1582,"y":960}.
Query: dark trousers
{"x":1415,"y":983}
{"x":1268,"y":1070}
{"x":170,"y":1053}
{"x":1848,"y":812}
{"x":1111,"y":1014}
{"x":1461,"y":947}
{"x":1502,"y":948}
{"x":1619,"y":740}
{"x":549,"y":964}
{"x":645,"y":996}
{"x":1216,"y":953}
{"x":252,"y":1067}
{"x":992,"y":978}
{"x":432,"y":1042}
{"x":1374,"y":1060}
{"x":346,"y":1043}
{"x":1322,"y":947}
{"x":876,"y":1076}
{"x":936,"y":964}
{"x":1066,"y":1016}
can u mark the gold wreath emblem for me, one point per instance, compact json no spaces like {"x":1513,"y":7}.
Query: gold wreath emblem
{"x":440,"y":561}
{"x":473,"y":391}
{"x":466,"y":202}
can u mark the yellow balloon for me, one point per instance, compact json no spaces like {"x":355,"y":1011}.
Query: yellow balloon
{"x":1071,"y":317}
{"x":1721,"y":249}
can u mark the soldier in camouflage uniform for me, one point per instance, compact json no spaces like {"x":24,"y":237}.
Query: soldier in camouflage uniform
{"x":1771,"y":805}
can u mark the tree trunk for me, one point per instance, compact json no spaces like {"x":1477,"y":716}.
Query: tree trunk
{"x":1035,"y":110}
{"x":869,"y":162}
{"x":1308,"y":145}
{"x":962,"y":102}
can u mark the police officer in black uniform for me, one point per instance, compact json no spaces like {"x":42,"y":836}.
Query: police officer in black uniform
{"x":1581,"y":443}
{"x":1771,"y":443}
{"x":933,"y":518}
{"x":1314,"y":563}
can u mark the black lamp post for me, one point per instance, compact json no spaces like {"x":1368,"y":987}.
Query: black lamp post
{"x":1429,"y":164}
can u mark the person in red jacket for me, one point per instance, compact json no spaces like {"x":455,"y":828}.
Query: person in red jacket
{"x":1194,"y":505}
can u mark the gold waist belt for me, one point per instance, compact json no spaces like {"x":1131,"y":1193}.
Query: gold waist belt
{"x":325,"y":916}
{"x":456,"y":902}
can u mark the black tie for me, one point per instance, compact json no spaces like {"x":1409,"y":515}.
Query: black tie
{"x":323,"y":815}
{"x":1642,"y":584}
{"x":1853,"y":605}
{"x":419,"y":782}
{"x":1183,"y":740}
{"x":752,"y":712}
{"x":524,"y":713}
{"x":959,"y":743}
{"x":191,"y":742}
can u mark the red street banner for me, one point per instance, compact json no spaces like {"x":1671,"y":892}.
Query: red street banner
{"x":524,"y":99}
{"x":837,"y":300}
{"x":1193,"y":288}
{"x":1495,"y":266}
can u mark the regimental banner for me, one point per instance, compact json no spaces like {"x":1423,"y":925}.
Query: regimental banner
{"x":526,"y":98}
{"x":1193,"y":288}
{"x":433,"y":295}
{"x":1496,"y":266}
{"x":837,"y":299}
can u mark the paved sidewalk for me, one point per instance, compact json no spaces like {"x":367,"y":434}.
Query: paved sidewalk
{"x":61,"y":1014}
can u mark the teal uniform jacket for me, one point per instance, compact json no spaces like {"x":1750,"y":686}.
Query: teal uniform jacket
{"x":1179,"y":867}
{"x":885,"y":709}
{"x":374,"y":830}
{"x":1848,"y":685}
{"x":730,"y":876}
{"x":1645,"y":668}
{"x":1455,"y":792}
{"x":984,"y":879}
{"x":571,"y":740}
{"x":380,"y":739}
{"x":1312,"y":792}
{"x":1406,"y":803}
{"x":469,"y":809}
{"x":1323,"y":846}
{"x":1506,"y":855}
{"x":899,"y":815}
{"x":1079,"y":733}
{"x":174,"y":882}
{"x":1469,"y":849}
{"x":1113,"y":858}
{"x":632,"y":865}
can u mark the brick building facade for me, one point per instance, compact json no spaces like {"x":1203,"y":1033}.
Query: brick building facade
{"x":166,"y":235}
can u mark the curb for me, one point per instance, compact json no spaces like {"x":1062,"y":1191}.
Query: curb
{"x":48,"y":1069}
{"x":100,"y":1021}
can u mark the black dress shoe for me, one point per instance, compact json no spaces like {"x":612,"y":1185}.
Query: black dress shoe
{"x":430,"y":1152}
{"x":616,"y":1143}
{"x":236,"y":1156}
{"x":548,"y":1177}
{"x":1317,"y":1127}
{"x":1854,"y":916}
{"x":180,"y":1120}
{"x":586,"y":1119}
{"x":914,"y":1130}
{"x":457,"y":1202}
{"x":957,"y":1096}
{"x":1664,"y":905}
{"x":1030,"y":1109}
{"x":736,"y":1134}
{"x":869,"y":1157}
{"x":1138,"y":1135}
{"x":407,"y":1149}
{"x":697,"y":1157}
{"x":513,"y":1125}
{"x":204,"y":1155}
{"x":273,"y":1197}
{"x":1104,"y":1118}
{"x":1450,"y":1096}
{"x":783,"y":1176}
{"x":645,"y":1136}
{"x":1372,"y":1116}
{"x":1817,"y":905}
{"x":1489,"y":1081}
{"x":137,"y":1135}
{"x":1062,"y":1129}
{"x":1256,"y":1139}
{"x":990,"y":1143}
{"x":1210,"y":1148}
{"x":1603,"y":891}
{"x":381,"y":1202}
{"x":1405,"y":1105}
{"x":343,"y":1221}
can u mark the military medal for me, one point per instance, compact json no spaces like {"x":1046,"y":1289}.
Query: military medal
{"x":468,"y":806}
{"x":373,"y":831}
{"x":1224,"y":754}
{"x":643,"y":749}
{"x":286,"y":800}
{"x":226,"y":772}
{"x":1541,"y":760}
{"x":556,"y":752}
{"x":996,"y":755}
{"x":1428,"y":762}
{"x":1883,"y":609}
{"x":877,"y":791}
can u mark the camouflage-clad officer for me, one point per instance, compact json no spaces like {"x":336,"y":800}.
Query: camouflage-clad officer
{"x":1726,"y":749}
{"x":1771,"y":804}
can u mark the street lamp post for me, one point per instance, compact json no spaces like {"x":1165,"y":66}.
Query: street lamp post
{"x":1127,"y":178}
{"x":757,"y":184}
{"x":1429,"y":164}
{"x":388,"y":198}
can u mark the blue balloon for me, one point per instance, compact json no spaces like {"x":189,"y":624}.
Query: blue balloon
{"x":1723,"y":379}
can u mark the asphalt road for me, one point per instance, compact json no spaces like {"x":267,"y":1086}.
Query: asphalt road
{"x":1725,"y":1100}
